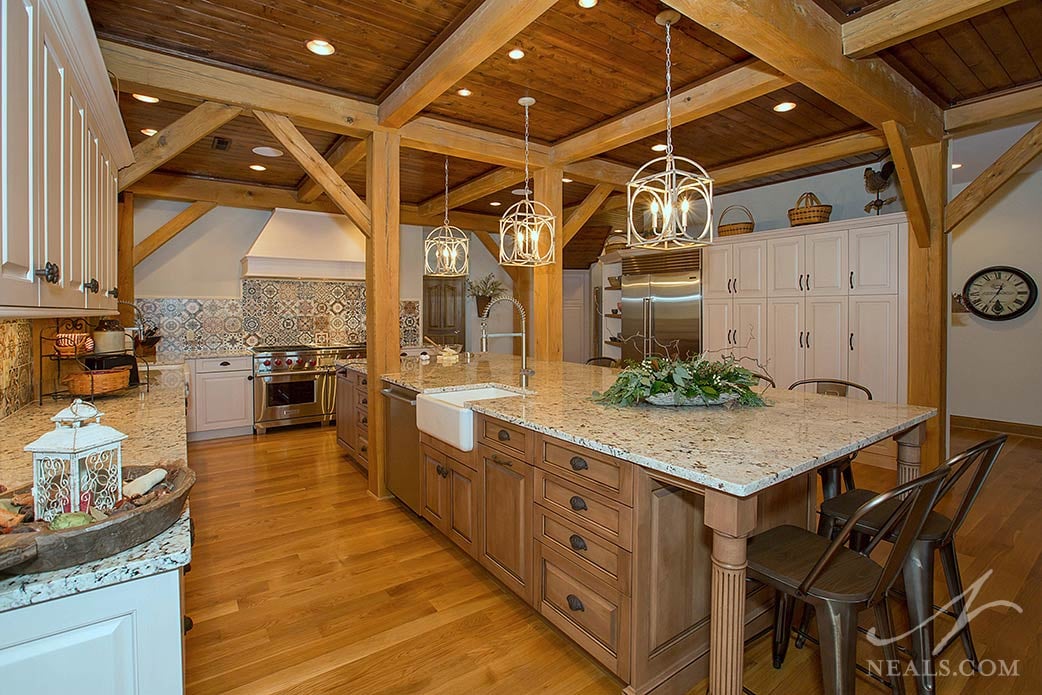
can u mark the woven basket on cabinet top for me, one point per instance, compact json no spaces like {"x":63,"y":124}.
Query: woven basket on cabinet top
{"x":734,"y":228}
{"x":809,"y":210}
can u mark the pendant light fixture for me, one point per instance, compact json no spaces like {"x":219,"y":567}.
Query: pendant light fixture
{"x":527,"y":229}
{"x":446,"y":249}
{"x":669,"y":199}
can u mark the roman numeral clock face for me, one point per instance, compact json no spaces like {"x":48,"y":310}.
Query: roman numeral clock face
{"x":1000,"y":293}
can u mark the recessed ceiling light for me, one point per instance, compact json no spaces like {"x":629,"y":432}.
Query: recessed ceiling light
{"x":658,"y":148}
{"x":258,"y":167}
{"x":516,"y":54}
{"x":956,"y":166}
{"x":267,"y":151}
{"x":463,"y":92}
{"x":320,"y":47}
{"x":785,"y":106}
{"x":565,"y":179}
{"x":495,"y":203}
{"x":149,"y":131}
{"x":587,"y":4}
{"x":145,"y":98}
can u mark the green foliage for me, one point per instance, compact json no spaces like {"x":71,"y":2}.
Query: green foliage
{"x":692,"y":379}
{"x":488,"y":286}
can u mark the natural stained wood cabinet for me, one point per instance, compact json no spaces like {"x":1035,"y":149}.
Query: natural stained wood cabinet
{"x":506,"y":519}
{"x":450,"y":493}
{"x":352,"y":415}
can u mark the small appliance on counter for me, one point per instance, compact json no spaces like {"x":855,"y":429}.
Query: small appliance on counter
{"x":109,"y":336}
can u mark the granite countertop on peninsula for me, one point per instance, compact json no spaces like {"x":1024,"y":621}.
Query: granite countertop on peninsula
{"x":740,"y":451}
{"x":155,"y":423}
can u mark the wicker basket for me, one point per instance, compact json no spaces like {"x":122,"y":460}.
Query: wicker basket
{"x":72,"y":344}
{"x":614,"y":242}
{"x":734,"y":228}
{"x":97,"y":381}
{"x":809,"y":210}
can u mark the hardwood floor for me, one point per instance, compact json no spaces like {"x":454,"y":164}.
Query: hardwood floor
{"x":303,"y":583}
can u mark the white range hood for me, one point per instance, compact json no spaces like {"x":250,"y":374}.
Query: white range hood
{"x":309,"y":245}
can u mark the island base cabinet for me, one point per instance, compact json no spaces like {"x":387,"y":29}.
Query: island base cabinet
{"x":449,"y":493}
{"x":506,"y":519}
{"x":123,"y":639}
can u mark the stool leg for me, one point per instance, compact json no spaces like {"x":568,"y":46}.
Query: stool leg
{"x":952,"y":576}
{"x":837,"y":630}
{"x":829,"y":482}
{"x":783,"y":608}
{"x":885,"y":632}
{"x":826,"y":525}
{"x":848,"y":476}
{"x":918,"y":579}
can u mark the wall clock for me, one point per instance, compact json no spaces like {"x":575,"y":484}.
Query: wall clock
{"x":999,"y":293}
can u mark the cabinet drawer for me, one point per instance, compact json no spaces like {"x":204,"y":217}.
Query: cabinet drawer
{"x":591,"y":511}
{"x":600,"y":473}
{"x":361,"y":418}
{"x":360,"y":379}
{"x":606,"y":561}
{"x":362,"y":453}
{"x":510,"y":438}
{"x":223,"y":364}
{"x":361,"y":399}
{"x":594,"y":615}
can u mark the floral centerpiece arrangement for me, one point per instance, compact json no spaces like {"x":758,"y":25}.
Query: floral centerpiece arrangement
{"x":485,"y":290}
{"x":696,"y":381}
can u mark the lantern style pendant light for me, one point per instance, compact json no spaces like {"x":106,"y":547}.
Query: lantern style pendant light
{"x":669,"y":199}
{"x":527,"y":229}
{"x":446,"y":250}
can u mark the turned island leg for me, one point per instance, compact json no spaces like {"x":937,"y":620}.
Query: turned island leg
{"x":909,"y":453}
{"x":732,"y":520}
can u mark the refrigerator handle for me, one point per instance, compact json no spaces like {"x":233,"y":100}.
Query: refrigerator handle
{"x":647,"y":326}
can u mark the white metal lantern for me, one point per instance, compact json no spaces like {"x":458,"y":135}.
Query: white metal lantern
{"x":528,"y":227}
{"x":78,"y":465}
{"x":446,"y":248}
{"x":669,"y":199}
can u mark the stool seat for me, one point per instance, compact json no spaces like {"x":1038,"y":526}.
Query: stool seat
{"x":840,"y":508}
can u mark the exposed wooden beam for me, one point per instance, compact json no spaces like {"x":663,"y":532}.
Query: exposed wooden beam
{"x":994,"y":111}
{"x":911,"y":186}
{"x":125,"y":257}
{"x":455,"y":140}
{"x":906,"y":19}
{"x":468,"y":221}
{"x":344,"y":156}
{"x":171,"y":229}
{"x":581,"y":213}
{"x":317,"y":168}
{"x":486,"y":184}
{"x":597,"y":171}
{"x":547,"y":307}
{"x":177,"y":137}
{"x":992,"y":179}
{"x":480,"y":35}
{"x":731,"y":87}
{"x":821,"y":152}
{"x":800,"y":39}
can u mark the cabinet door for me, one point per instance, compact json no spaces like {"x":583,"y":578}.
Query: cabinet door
{"x":873,"y":260}
{"x":826,"y":264}
{"x":111,"y":233}
{"x":785,"y":351}
{"x":750,"y":332}
{"x":18,"y":250}
{"x":785,"y":267}
{"x":825,"y":338}
{"x":872,"y":345}
{"x":463,"y":487}
{"x":716,"y":271}
{"x":434,"y":488}
{"x":506,"y":523}
{"x":716,"y":318}
{"x":223,"y":400}
{"x":95,"y":238}
{"x":76,"y":264}
{"x":345,"y":421}
{"x":750,"y":269}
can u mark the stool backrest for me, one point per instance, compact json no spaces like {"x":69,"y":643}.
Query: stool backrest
{"x":978,"y":458}
{"x":601,"y":361}
{"x":832,"y":387}
{"x":765,"y":377}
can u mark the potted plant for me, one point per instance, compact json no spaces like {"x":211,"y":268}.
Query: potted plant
{"x":485,"y":290}
{"x":684,"y":382}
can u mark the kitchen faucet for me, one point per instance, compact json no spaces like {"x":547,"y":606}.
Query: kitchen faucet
{"x":525,"y":371}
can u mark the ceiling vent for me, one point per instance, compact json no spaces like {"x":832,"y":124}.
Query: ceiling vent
{"x":220,"y":144}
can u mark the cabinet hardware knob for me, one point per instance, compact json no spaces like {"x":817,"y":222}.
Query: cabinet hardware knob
{"x":365,"y":401}
{"x":249,"y":378}
{"x":801,"y":282}
{"x":574,"y":603}
{"x":114,"y":293}
{"x":577,"y":541}
{"x":503,"y":436}
{"x":579,"y":463}
{"x":91,"y":286}
{"x":365,"y":382}
{"x":851,"y":279}
{"x":49,"y":272}
{"x":365,"y":421}
{"x":578,"y":503}
{"x":225,"y":363}
{"x":363,"y":448}
{"x":501,"y":462}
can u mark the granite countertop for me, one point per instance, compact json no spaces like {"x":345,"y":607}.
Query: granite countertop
{"x":202,"y":353}
{"x":739,"y":451}
{"x":355,"y":364}
{"x":155,"y":423}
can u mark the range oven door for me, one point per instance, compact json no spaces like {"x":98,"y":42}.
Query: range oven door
{"x":283,"y":399}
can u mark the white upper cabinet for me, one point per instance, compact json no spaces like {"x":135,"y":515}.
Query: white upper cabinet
{"x":826,"y":264}
{"x":716,"y":271}
{"x":750,"y":269}
{"x":786,"y":266}
{"x":717,"y":326}
{"x":873,"y":260}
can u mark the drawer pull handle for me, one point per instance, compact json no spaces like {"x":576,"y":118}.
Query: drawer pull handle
{"x":574,"y":603}
{"x":365,"y":382}
{"x":501,"y":462}
{"x":503,"y":436}
{"x":577,"y":541}
{"x":364,"y":421}
{"x":226,"y":364}
{"x":442,"y":471}
{"x":365,"y":401}
{"x":579,"y":463}
{"x":578,"y":503}
{"x":364,"y":448}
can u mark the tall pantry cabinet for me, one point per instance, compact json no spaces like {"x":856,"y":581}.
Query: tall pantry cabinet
{"x":822,"y":301}
{"x":62,"y":143}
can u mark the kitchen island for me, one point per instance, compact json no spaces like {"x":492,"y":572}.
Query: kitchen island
{"x":626,"y":527}
{"x":116,"y":623}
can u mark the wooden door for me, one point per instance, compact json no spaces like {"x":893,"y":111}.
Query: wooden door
{"x":444,"y":315}
{"x":716,"y":322}
{"x":825,"y":338}
{"x":463,"y":489}
{"x":826,"y":265}
{"x":716,"y":271}
{"x":345,"y":421}
{"x":785,"y":267}
{"x":872,"y":345}
{"x":750,"y":332}
{"x":750,"y":269}
{"x":506,"y":523}
{"x":434,"y":488}
{"x":785,"y":347}
{"x":873,"y":260}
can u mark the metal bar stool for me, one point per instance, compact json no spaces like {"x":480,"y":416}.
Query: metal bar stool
{"x":937,"y":535}
{"x":765,"y":378}
{"x":840,"y":582}
{"x":601,"y":362}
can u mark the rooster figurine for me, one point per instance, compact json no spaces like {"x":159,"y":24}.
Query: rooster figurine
{"x":877,"y":182}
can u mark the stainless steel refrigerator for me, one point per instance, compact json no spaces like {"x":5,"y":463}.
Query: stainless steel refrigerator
{"x":661,"y":314}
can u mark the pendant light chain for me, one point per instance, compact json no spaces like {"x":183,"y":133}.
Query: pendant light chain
{"x":669,"y":94}
{"x":446,"y":191}
{"x":528,"y":227}
{"x":527,"y":187}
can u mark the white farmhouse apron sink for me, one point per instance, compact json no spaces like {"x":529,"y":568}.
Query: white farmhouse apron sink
{"x":446,"y":417}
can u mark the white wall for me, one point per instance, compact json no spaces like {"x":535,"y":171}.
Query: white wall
{"x":501,"y":321}
{"x":994,"y":367}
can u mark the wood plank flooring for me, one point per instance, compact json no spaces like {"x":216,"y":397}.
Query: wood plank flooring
{"x":303,"y":583}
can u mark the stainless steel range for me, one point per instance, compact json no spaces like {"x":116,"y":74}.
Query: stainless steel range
{"x":295,"y":384}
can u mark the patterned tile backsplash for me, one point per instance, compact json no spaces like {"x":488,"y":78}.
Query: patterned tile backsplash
{"x":270,"y":312}
{"x":16,"y":365}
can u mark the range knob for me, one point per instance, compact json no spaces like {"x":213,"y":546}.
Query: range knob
{"x":278,"y":363}
{"x":311,"y":363}
{"x":289,"y":361}
{"x":267,"y":363}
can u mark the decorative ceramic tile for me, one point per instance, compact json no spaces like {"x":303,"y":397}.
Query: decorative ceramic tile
{"x":16,"y":365}
{"x":411,"y":325}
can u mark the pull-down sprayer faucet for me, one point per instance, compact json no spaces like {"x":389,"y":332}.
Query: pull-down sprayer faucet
{"x":485,"y":335}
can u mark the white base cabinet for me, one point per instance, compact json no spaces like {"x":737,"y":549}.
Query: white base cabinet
{"x":220,"y":397}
